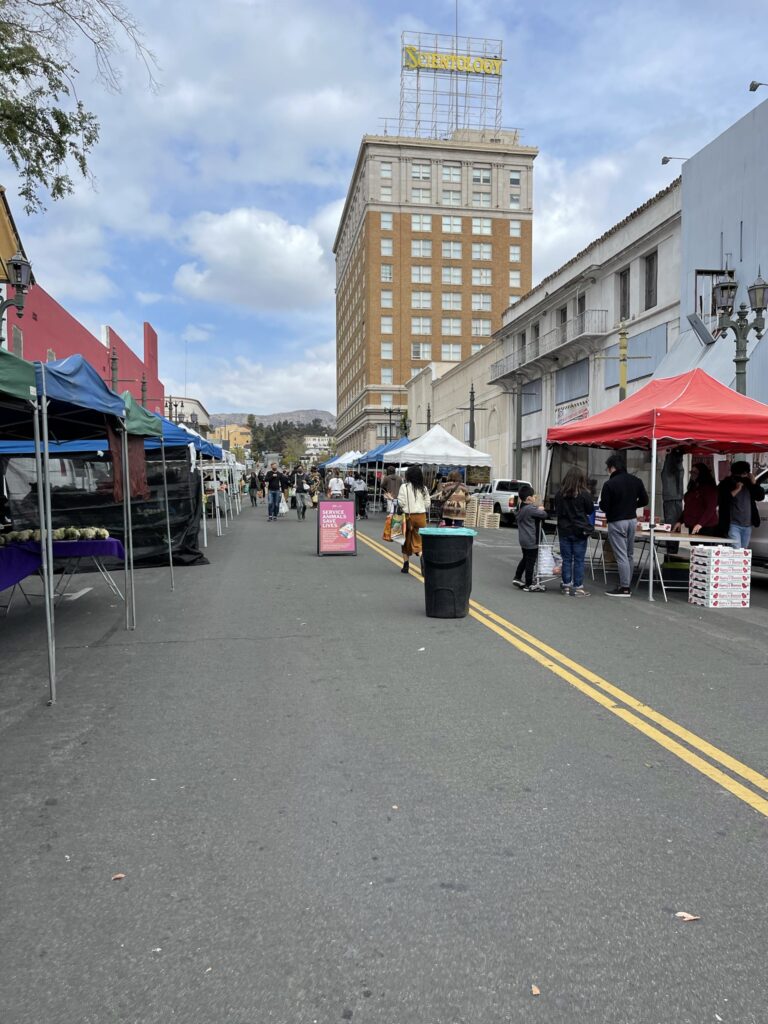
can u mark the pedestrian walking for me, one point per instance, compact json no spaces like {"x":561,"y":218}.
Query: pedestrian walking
{"x":390,"y":486}
{"x":349,"y":483}
{"x":529,"y":516}
{"x":301,"y":485}
{"x":275,"y":482}
{"x":453,"y":495}
{"x":360,"y":491}
{"x":575,"y":509}
{"x":253,"y":489}
{"x":738,"y":495}
{"x":315,"y":487}
{"x":622,"y":495}
{"x":413,"y":498}
{"x":335,"y":485}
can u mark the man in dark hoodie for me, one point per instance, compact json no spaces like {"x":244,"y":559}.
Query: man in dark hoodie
{"x":737,"y":497}
{"x":622,"y":495}
{"x":529,"y":517}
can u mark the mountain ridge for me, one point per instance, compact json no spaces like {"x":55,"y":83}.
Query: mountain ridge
{"x":298,"y":416}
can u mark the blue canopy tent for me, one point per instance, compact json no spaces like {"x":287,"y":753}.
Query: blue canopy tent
{"x":378,"y":455}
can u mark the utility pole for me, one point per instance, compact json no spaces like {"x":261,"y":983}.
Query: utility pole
{"x":472,"y":409}
{"x":114,"y":369}
{"x":623,"y":358}
{"x":519,"y":429}
{"x":144,"y":389}
{"x":389,"y":429}
{"x":429,"y":416}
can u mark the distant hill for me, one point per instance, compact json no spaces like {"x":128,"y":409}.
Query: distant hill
{"x":220,"y":419}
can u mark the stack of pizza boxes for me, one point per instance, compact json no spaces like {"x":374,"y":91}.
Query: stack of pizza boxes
{"x":720,"y":576}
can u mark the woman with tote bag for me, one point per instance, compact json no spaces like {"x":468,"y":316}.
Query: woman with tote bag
{"x":414,"y":501}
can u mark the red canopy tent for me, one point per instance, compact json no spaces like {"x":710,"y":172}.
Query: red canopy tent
{"x":692,"y":411}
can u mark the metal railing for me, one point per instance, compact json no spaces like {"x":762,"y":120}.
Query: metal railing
{"x":589,"y":324}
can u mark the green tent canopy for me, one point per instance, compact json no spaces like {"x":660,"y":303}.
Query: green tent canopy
{"x":138,"y":421}
{"x":17,"y":377}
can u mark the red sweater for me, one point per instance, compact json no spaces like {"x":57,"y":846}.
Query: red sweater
{"x":700,"y":506}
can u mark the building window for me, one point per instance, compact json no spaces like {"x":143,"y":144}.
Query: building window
{"x":451,"y":250}
{"x":481,"y":328}
{"x":386,"y":401}
{"x":421,"y":172}
{"x":514,"y":200}
{"x":387,"y":375}
{"x":532,"y":396}
{"x":386,"y":272}
{"x":386,"y":222}
{"x":651,"y":279}
{"x":451,"y":225}
{"x":572,"y":382}
{"x":385,"y":169}
{"x":451,"y":327}
{"x":451,"y":275}
{"x":514,"y":254}
{"x":386,"y":300}
{"x":386,"y":350}
{"x":481,"y":175}
{"x":514,"y":178}
{"x":481,"y":199}
{"x":481,"y":302}
{"x":481,"y":225}
{"x":421,"y":350}
{"x":514,"y":279}
{"x":421,"y":275}
{"x":17,"y":341}
{"x":624,"y":294}
{"x":515,"y":228}
{"x":421,"y":325}
{"x":386,"y":325}
{"x":481,"y":276}
{"x":451,"y":172}
{"x":421,"y":300}
{"x":421,"y":195}
{"x":481,"y":250}
{"x":386,"y":245}
{"x":421,"y":248}
{"x":452,"y":301}
{"x":451,"y":197}
{"x":385,"y":193}
{"x":450,"y":353}
{"x":477,"y":348}
{"x":421,"y":222}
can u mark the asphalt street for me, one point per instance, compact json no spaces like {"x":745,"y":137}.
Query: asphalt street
{"x":328,"y":807}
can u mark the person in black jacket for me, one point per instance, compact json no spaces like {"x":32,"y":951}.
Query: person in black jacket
{"x":275,"y":481}
{"x":621,"y":497}
{"x":737,"y":497}
{"x":575,"y":508}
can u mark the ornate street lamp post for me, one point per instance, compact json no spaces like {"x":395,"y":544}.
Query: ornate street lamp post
{"x":724,"y":294}
{"x":20,"y":276}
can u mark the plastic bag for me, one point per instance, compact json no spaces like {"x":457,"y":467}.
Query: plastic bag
{"x":546,"y":566}
{"x":283,"y":507}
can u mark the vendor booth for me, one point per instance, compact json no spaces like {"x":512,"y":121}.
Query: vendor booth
{"x":692,"y":412}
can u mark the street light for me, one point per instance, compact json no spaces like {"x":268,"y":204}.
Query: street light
{"x":724,"y":294}
{"x":20,"y":276}
{"x":666,"y":159}
{"x":754,"y":86}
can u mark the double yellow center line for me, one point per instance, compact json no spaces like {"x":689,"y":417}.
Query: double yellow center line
{"x":662,"y":730}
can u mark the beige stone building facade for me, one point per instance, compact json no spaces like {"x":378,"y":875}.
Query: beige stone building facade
{"x":433,"y":245}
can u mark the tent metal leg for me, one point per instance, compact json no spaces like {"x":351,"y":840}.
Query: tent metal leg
{"x":126,"y":564}
{"x":167,"y":513}
{"x":46,"y":566}
{"x":130,"y":599}
{"x":202,"y":499}
{"x":654,"y":457}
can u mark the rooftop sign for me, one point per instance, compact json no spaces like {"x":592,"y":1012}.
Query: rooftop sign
{"x":434,"y":60}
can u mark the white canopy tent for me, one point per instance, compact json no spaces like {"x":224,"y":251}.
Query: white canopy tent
{"x":342,"y":461}
{"x":439,"y":448}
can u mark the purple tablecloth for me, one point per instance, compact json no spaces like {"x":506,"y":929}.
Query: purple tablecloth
{"x":17,"y":562}
{"x":110,"y":548}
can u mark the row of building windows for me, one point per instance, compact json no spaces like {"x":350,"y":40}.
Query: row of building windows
{"x":481,"y":301}
{"x":421,"y":249}
{"x":423,"y":222}
{"x":481,"y":174}
{"x":448,"y":197}
{"x":448,"y":275}
{"x":421,"y":350}
{"x":451,"y":325}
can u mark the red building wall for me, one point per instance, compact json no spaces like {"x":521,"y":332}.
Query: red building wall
{"x":48,"y":332}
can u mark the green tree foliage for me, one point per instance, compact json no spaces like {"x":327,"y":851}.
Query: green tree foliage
{"x":45,"y":130}
{"x":283,"y":436}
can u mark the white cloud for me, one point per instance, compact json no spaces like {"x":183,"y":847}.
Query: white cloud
{"x":197,"y":332}
{"x":149,"y":298}
{"x":255,"y":259}
{"x":249,"y":386}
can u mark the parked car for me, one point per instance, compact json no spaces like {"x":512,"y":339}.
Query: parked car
{"x":759,"y":542}
{"x":505,"y":499}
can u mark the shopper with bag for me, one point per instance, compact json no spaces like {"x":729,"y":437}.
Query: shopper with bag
{"x":301,"y":486}
{"x":574,"y":506}
{"x":413,"y":499}
{"x":391,"y":485}
{"x":529,"y":516}
{"x":336,"y":485}
{"x":453,"y":494}
{"x":275,"y":482}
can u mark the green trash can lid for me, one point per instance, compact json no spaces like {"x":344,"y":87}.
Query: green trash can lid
{"x":447,"y":531}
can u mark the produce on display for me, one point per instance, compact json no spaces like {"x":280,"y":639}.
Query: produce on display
{"x":64,"y":533}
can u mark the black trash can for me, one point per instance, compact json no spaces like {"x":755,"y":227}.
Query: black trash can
{"x":447,"y":568}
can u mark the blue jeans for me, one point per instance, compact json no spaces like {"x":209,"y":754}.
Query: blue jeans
{"x":274,"y":504}
{"x":742,"y":534}
{"x":573,"y":550}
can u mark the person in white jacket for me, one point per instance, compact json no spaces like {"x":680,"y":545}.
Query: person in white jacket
{"x":414,"y":500}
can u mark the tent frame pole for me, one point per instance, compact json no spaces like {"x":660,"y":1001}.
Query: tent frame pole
{"x":202,"y":498}
{"x":46,"y":566}
{"x":167,"y":512}
{"x":49,"y":598}
{"x":652,"y":531}
{"x":130,"y":611}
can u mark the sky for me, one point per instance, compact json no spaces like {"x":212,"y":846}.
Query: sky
{"x":216,"y":195}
